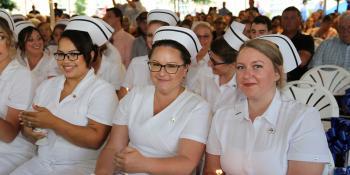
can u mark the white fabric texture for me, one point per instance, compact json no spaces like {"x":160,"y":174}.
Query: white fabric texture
{"x":288,"y":130}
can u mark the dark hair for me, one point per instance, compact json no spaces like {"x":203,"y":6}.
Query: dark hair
{"x":24,"y":35}
{"x":220,"y":47}
{"x":83,"y":43}
{"x":292,"y":8}
{"x":263,"y":20}
{"x":142,"y":16}
{"x":327,"y":18}
{"x":278,"y":17}
{"x":185,"y":55}
{"x":117,"y":12}
{"x":59,"y":26}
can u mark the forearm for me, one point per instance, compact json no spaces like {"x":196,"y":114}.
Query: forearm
{"x":168,"y":166}
{"x":83,"y":136}
{"x":8,"y":132}
{"x":105,"y":165}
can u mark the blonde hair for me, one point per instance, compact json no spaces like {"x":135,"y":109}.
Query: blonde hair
{"x":271,"y":51}
{"x":203,"y":24}
{"x":10,"y":41}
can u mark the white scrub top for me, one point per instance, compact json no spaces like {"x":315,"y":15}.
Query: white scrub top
{"x":197,"y":70}
{"x":46,"y":67}
{"x":158,"y":135}
{"x":218,"y":96}
{"x":15,"y":92}
{"x":112,"y":69}
{"x":288,"y":130}
{"x":93,"y":99}
{"x":138,"y":73}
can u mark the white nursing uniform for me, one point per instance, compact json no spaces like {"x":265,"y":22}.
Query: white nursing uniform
{"x":112,"y":69}
{"x":288,"y":130}
{"x":218,"y":96}
{"x":15,"y":92}
{"x":197,"y":70}
{"x":138,"y":73}
{"x":92,"y":99}
{"x":46,"y":67}
{"x":158,"y":135}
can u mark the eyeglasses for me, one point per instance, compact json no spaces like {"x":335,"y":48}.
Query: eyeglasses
{"x":71,"y":56}
{"x":169,"y":68}
{"x":203,"y":36}
{"x":215,"y":63}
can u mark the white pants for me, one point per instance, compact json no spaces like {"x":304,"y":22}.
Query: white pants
{"x":36,"y":166}
{"x":10,"y":161}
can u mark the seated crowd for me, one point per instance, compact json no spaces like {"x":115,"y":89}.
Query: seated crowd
{"x":198,"y":96}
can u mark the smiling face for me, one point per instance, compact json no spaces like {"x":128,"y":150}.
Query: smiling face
{"x":163,"y":81}
{"x":34,"y":44}
{"x":256,"y":75}
{"x":71,"y":69}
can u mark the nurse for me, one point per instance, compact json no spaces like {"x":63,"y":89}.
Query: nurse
{"x":15,"y":96}
{"x":31,"y":52}
{"x":137,"y":73}
{"x":162,"y":128}
{"x":76,"y":109}
{"x":219,"y":89}
{"x":265,"y":132}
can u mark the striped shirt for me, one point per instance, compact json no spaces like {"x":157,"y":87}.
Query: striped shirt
{"x":332,"y":52}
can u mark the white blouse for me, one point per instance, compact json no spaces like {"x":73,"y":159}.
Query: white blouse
{"x":288,"y":130}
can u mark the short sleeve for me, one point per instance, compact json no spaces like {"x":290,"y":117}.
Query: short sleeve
{"x":308,"y":142}
{"x":121,"y":116}
{"x":213,"y":145}
{"x":317,"y":59}
{"x":103,"y":104}
{"x":197,"y":127}
{"x":22,"y":90}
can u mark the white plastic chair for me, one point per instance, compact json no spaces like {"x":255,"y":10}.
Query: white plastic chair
{"x":313,"y":95}
{"x":334,"y":78}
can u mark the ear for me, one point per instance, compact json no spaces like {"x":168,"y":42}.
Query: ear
{"x":278,"y":72}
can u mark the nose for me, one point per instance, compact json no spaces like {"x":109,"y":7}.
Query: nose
{"x":246,"y":74}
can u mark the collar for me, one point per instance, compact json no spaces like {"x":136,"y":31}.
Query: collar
{"x":230,"y":84}
{"x":12,"y":66}
{"x":271,"y":114}
{"x":85,"y":83}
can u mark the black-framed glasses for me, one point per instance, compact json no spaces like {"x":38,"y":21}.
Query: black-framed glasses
{"x":169,"y":68}
{"x":215,"y":63}
{"x":71,"y":56}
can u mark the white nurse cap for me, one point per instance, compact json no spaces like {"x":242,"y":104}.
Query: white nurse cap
{"x":18,"y":17}
{"x":163,"y":15}
{"x":109,"y":27}
{"x":183,"y":36}
{"x":98,"y":32}
{"x":291,"y":58}
{"x":234,"y":35}
{"x":20,"y":25}
{"x":5,"y":15}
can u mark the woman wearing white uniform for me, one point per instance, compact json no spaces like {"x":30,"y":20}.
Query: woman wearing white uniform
{"x":15,"y":96}
{"x":75,"y":108}
{"x":265,"y":132}
{"x":160,"y":129}
{"x":137,"y":72}
{"x":219,"y":89}
{"x":31,"y":52}
{"x":108,"y":65}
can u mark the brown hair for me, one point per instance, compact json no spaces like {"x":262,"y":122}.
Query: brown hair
{"x":271,"y":51}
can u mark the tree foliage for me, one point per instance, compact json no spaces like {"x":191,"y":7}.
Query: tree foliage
{"x":7,"y":4}
{"x":80,"y":7}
